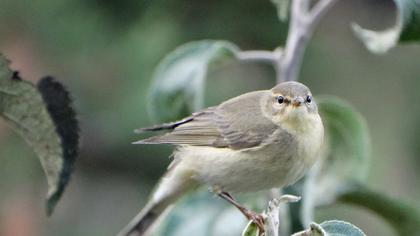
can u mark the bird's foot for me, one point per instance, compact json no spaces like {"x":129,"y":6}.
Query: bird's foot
{"x":258,"y":219}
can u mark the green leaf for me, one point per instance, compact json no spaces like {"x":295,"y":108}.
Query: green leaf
{"x":404,"y":217}
{"x":345,"y":157}
{"x":43,"y":117}
{"x":251,"y":229}
{"x":179,"y":79}
{"x":331,"y":228}
{"x":346,"y":154}
{"x":340,"y":228}
{"x":406,"y":28}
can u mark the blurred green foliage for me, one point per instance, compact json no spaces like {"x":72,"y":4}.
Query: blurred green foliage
{"x":402,"y":216}
{"x":332,"y":228}
{"x":105,"y":52}
{"x":405,"y":29}
{"x":180,"y":78}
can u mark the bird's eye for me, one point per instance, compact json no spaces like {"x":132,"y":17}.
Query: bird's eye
{"x":308,"y":98}
{"x":280,"y":99}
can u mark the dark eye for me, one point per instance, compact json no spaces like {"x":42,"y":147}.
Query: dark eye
{"x":308,"y":98}
{"x":280,"y":99}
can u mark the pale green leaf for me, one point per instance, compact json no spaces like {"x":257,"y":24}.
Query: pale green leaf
{"x":43,"y":117}
{"x":406,"y":28}
{"x":251,"y":229}
{"x":346,"y":154}
{"x":179,"y":79}
{"x":340,"y":228}
{"x":331,"y":228}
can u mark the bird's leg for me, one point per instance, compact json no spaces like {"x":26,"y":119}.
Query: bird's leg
{"x":258,"y":219}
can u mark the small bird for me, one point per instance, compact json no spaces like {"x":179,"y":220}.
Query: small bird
{"x":256,"y":141}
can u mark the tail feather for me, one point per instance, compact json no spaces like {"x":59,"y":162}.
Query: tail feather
{"x":165,"y":126}
{"x":176,"y":182}
{"x":142,"y":222}
{"x":146,"y":222}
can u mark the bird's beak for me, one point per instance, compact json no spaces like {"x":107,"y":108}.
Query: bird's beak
{"x":297,"y":101}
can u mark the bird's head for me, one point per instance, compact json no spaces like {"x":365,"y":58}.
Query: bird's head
{"x":292,"y":103}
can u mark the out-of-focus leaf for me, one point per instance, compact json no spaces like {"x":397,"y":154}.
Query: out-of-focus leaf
{"x":405,"y":218}
{"x":331,"y":228}
{"x":340,"y":228}
{"x":201,"y":213}
{"x":346,"y":154}
{"x":345,"y":157}
{"x":251,"y":229}
{"x":406,"y":28}
{"x":44,"y":118}
{"x":179,"y":80}
{"x":282,"y":8}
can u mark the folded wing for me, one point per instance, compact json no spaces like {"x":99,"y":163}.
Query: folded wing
{"x":237,"y":123}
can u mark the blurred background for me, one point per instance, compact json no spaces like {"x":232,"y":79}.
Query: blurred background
{"x":105,"y":52}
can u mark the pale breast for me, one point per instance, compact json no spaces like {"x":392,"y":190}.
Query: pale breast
{"x":309,"y":140}
{"x":240,"y":171}
{"x":235,"y":171}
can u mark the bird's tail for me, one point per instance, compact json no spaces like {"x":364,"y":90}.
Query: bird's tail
{"x":173,"y":185}
{"x":144,"y":220}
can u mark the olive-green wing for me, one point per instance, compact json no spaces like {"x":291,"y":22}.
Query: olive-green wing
{"x":237,"y":123}
{"x":198,"y":129}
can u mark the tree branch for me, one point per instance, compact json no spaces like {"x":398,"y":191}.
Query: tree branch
{"x":259,"y":55}
{"x":272,"y":214}
{"x":320,"y":9}
{"x":303,"y":21}
{"x":302,"y":24}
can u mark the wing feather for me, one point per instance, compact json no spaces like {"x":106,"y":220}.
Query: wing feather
{"x":237,"y":123}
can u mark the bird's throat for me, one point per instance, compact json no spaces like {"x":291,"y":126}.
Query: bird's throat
{"x":299,"y":120}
